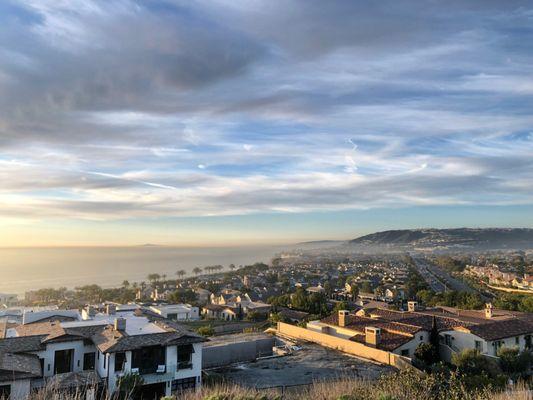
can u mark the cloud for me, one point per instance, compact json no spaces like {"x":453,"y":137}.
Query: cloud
{"x":129,"y":109}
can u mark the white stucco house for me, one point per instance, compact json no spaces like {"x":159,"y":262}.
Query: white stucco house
{"x":99,"y":352}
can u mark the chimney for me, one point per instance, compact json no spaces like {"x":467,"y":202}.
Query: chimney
{"x":372,"y":336}
{"x":488,"y":310}
{"x":412,"y":306}
{"x":120,"y":324}
{"x":343,"y":317}
{"x":111,"y":309}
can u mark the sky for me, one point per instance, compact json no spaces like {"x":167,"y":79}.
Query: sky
{"x":229,"y":122}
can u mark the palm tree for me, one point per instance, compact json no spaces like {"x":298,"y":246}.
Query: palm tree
{"x":164,"y":276}
{"x":125,"y":284}
{"x":153,"y":278}
{"x":181,"y":273}
{"x":232,"y":267}
{"x":197,"y":271}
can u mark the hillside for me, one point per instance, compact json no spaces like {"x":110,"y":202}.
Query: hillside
{"x":472,"y":238}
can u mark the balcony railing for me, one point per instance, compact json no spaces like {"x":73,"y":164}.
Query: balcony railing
{"x":184,"y":365}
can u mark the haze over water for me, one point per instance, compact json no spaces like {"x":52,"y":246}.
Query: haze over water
{"x":23,"y":269}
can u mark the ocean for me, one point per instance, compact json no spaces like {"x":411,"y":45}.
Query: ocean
{"x":23,"y":269}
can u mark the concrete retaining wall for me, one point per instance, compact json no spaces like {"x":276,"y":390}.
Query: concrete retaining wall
{"x":344,"y":345}
{"x":242,"y":351}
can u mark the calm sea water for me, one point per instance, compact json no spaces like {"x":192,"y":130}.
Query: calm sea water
{"x":24,"y":269}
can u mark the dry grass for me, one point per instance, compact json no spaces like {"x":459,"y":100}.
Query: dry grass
{"x":400,"y":386}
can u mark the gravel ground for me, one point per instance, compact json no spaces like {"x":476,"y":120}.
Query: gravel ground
{"x":309,"y":364}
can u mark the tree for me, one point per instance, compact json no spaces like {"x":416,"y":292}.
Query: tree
{"x":181,"y":273}
{"x":471,"y":362}
{"x":197,"y":271}
{"x":128,"y":385}
{"x":255,"y":316}
{"x":427,"y":353}
{"x":206,"y":330}
{"x":513,"y":362}
{"x":232,"y":267}
{"x":153,"y":278}
{"x":299,"y":300}
{"x":125,"y":284}
{"x":354,"y":291}
{"x":183,"y":296}
{"x":366,"y":287}
{"x":341,"y":305}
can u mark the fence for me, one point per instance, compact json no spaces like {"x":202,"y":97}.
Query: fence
{"x":344,"y":345}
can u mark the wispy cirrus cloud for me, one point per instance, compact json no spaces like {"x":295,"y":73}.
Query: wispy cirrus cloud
{"x":129,"y":109}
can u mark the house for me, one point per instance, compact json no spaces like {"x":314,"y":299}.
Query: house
{"x":316,"y":289}
{"x":218,"y":311}
{"x":99,"y":352}
{"x":401,"y":332}
{"x":401,"y":339}
{"x":177,"y":312}
{"x":394,"y":293}
{"x":239,"y":307}
{"x":484,"y":330}
{"x":204,"y":295}
{"x":226,"y":297}
{"x":8,"y":300}
{"x":292,"y":315}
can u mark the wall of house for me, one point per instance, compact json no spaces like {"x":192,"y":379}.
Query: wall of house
{"x":420,"y":337}
{"x":195,"y":371}
{"x":102,"y":372}
{"x":20,"y":389}
{"x":344,"y":345}
{"x":113,"y":376}
{"x":464,"y":340}
{"x":49,"y":354}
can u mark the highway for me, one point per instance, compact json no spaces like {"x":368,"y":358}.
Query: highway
{"x":425,"y":269}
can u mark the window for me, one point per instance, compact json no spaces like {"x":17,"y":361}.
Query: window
{"x":41,"y":361}
{"x":88,"y":361}
{"x":527,"y":339}
{"x":448,"y":340}
{"x":120,"y":360}
{"x":517,"y":340}
{"x":148,"y":359}
{"x":179,"y":385}
{"x":497,"y":344}
{"x":185,"y":356}
{"x":5,"y":391}
{"x":421,"y":337}
{"x":105,"y":359}
{"x":405,"y":353}
{"x":63,"y":360}
{"x":479,"y":346}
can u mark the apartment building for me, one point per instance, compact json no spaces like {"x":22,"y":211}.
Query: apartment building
{"x":99,"y":352}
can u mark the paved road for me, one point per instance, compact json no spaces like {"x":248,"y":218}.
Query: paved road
{"x":429,"y":276}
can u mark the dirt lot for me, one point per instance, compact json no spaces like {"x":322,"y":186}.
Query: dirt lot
{"x":309,"y":364}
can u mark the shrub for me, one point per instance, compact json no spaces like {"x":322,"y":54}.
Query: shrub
{"x":206,"y":330}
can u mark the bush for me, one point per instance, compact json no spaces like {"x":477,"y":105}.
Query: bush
{"x":513,"y":362}
{"x":206,"y":330}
